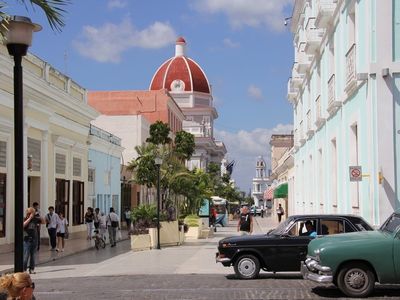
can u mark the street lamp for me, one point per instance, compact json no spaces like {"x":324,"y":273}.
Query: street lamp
{"x":17,"y":32}
{"x":158,"y":162}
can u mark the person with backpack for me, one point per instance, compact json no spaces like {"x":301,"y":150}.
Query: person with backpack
{"x":113,"y":225}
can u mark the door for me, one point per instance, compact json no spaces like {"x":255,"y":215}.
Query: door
{"x":396,"y":254}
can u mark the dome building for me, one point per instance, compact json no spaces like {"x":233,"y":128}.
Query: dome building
{"x":188,"y":85}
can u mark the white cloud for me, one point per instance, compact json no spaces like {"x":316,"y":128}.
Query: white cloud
{"x":252,"y":13}
{"x":245,"y":146}
{"x":108,"y":42}
{"x":230,"y":44}
{"x":117,"y":3}
{"x":255,"y":92}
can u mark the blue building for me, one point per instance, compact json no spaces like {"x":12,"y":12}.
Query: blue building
{"x":104,"y":170}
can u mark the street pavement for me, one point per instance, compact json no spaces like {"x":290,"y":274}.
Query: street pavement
{"x":183,"y":272}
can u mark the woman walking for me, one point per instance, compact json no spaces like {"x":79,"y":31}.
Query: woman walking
{"x":62,"y":230}
{"x":89,"y":216}
{"x":31,"y":222}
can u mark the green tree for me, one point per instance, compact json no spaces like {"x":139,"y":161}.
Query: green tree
{"x":53,"y":9}
{"x":184,"y":144}
{"x":143,"y":167}
{"x":159,"y":133}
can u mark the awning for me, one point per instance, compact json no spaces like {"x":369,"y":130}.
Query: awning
{"x":281,"y":191}
{"x":269,"y":194}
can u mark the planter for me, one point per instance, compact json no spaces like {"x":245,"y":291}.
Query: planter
{"x":169,"y":234}
{"x":140,"y":242}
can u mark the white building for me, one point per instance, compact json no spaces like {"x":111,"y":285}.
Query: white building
{"x":345,"y":92}
{"x":189,"y":86}
{"x":260,"y":182}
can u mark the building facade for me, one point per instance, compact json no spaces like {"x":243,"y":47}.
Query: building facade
{"x":104,"y":174}
{"x":188,"y":85}
{"x":56,"y":121}
{"x":345,"y":92}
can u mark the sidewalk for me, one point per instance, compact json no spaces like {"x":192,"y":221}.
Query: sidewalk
{"x":263,"y":225}
{"x":75,"y":244}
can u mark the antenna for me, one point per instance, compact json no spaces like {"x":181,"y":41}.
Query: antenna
{"x":65,"y":62}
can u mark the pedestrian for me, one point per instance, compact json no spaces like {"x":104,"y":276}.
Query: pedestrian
{"x":103,"y":226}
{"x":96,"y":218}
{"x":17,"y":286}
{"x":89,"y":216}
{"x":62,"y":231}
{"x":127,"y":215}
{"x":112,"y":224}
{"x":37,"y":209}
{"x":51,"y":224}
{"x":262,"y":211}
{"x":30,"y":239}
{"x":245,"y":224}
{"x":280,"y":212}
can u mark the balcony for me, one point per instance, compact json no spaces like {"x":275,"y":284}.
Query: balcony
{"x":310,"y":128}
{"x":325,"y":11}
{"x":333,"y":104}
{"x":303,"y":62}
{"x":297,"y":79}
{"x":351,"y":75}
{"x":314,"y":37}
{"x":292,"y":91}
{"x":319,"y":118}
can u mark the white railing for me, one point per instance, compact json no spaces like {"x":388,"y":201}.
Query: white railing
{"x":331,"y":89}
{"x":351,"y":65}
{"x":308,"y":120}
{"x":318,"y":107}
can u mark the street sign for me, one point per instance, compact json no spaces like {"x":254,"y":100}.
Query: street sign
{"x":355,"y":173}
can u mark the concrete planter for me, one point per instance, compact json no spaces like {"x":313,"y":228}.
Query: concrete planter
{"x":193,"y":233}
{"x":169,"y":234}
{"x":140,"y":242}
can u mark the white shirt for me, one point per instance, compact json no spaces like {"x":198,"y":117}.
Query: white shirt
{"x":62,"y":224}
{"x":112,"y":217}
{"x":52,"y":220}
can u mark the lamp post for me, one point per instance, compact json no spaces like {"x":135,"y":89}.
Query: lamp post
{"x":18,"y":37}
{"x":158,"y":162}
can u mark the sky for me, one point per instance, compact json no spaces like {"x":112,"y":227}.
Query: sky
{"x":242,"y":46}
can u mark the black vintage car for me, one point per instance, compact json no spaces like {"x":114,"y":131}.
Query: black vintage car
{"x":283,"y":248}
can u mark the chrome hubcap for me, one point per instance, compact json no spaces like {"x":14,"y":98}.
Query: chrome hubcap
{"x":356,"y":279}
{"x":247,"y":267}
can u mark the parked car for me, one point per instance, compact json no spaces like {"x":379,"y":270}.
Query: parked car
{"x":355,"y":261}
{"x":283,"y":248}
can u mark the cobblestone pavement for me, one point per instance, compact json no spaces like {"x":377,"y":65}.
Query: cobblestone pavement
{"x":196,"y":287}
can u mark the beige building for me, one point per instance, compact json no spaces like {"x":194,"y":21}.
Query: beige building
{"x":56,"y":126}
{"x":282,"y":171}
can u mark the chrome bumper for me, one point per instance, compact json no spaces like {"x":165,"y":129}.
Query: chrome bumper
{"x":221,"y":259}
{"x":312,"y":271}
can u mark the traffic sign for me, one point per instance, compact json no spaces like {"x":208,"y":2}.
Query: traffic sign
{"x":355,"y":173}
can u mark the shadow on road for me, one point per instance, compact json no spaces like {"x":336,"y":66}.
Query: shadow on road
{"x":263,"y":276}
{"x":380,"y":291}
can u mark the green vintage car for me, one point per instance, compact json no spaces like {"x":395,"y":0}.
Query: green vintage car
{"x":355,"y":261}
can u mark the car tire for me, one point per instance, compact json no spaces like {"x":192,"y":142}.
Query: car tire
{"x":247,"y":267}
{"x":356,"y":280}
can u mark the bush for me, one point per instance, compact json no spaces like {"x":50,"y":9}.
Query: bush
{"x":192,"y":220}
{"x":143,"y":217}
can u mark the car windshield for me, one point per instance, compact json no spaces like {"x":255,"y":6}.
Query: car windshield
{"x":391,"y":224}
{"x":281,"y":227}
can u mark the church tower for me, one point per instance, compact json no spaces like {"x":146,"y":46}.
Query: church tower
{"x":260,"y":182}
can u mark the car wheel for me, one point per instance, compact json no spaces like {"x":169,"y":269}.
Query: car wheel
{"x":356,"y":280}
{"x":247,"y":267}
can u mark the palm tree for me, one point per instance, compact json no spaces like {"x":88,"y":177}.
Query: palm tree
{"x":53,"y":9}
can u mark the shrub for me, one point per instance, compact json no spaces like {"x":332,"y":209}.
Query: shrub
{"x":192,"y":220}
{"x":143,"y":217}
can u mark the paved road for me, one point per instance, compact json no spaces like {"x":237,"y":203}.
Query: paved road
{"x":185,"y":272}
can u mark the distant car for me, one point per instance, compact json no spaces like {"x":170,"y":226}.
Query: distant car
{"x":258,"y":210}
{"x":355,"y":261}
{"x":283,"y":248}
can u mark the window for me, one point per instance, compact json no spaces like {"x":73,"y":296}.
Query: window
{"x":77,"y":202}
{"x":77,"y":167}
{"x":3,"y":201}
{"x":332,"y":227}
{"x":299,"y":228}
{"x":62,"y":197}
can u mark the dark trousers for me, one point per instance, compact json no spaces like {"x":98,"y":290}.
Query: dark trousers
{"x":38,"y":241}
{"x":279,"y":217}
{"x":52,"y":234}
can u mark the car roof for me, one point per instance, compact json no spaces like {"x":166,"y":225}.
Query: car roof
{"x":325,"y":216}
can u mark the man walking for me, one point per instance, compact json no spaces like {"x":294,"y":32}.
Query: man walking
{"x":112,"y":224}
{"x":245,"y":224}
{"x":280,"y":212}
{"x":52,"y":220}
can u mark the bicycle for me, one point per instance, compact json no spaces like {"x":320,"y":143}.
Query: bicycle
{"x":98,"y":240}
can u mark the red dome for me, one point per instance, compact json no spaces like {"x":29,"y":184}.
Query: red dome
{"x":180,"y":73}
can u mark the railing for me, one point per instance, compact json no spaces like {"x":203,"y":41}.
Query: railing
{"x":351,"y":65}
{"x":318,"y":107}
{"x":104,"y":135}
{"x":309,"y":120}
{"x":331,"y":89}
